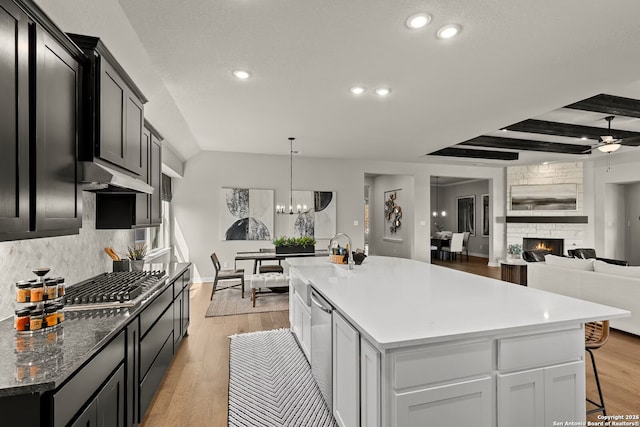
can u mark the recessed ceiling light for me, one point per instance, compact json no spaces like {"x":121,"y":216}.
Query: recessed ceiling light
{"x":241,"y":74}
{"x":418,"y":20}
{"x":584,"y":138}
{"x":448,"y":31}
{"x":357,"y":90}
{"x":503,"y":130}
{"x":545,"y":163}
{"x":382,"y":91}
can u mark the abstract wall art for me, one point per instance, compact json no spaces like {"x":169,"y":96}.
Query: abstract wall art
{"x":547,"y":197}
{"x":392,"y":215}
{"x":319,"y":221}
{"x":246,"y":214}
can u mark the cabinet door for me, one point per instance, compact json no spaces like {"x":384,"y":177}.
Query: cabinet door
{"x":521,"y":399}
{"x":14,"y":119}
{"x":134,"y":154}
{"x":132,"y":368}
{"x":142,"y":199}
{"x":58,"y":202}
{"x":457,"y":405}
{"x":113,"y":93}
{"x":155,"y":179}
{"x":564,"y":392}
{"x":370,"y":386}
{"x":177,"y":320}
{"x":110,"y":400}
{"x":89,"y":417}
{"x":346,"y":373}
{"x":186,"y":306}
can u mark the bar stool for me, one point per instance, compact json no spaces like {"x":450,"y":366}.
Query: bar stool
{"x":596,"y":335}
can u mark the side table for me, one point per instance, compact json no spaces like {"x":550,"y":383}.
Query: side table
{"x":514,"y":271}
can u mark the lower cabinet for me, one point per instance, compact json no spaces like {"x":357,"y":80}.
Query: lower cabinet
{"x":301,"y":322}
{"x":107,"y":408}
{"x":541,"y":396}
{"x":346,"y":372}
{"x":369,"y":385}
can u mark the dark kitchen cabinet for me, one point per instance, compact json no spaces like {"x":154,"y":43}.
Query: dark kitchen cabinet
{"x":57,"y":193}
{"x":107,"y":409}
{"x":115,"y":110}
{"x":40,"y":115}
{"x":14,"y":119}
{"x":149,"y":206}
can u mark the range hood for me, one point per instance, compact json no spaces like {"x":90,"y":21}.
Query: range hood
{"x":99,"y":177}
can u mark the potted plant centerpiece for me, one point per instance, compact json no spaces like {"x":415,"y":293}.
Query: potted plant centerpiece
{"x":136,"y":256}
{"x":514,"y":251}
{"x":294,"y":245}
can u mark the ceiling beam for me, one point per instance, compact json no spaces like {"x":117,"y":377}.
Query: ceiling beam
{"x":475,"y":154}
{"x":609,"y":104}
{"x":569,"y":130}
{"x":527,"y":145}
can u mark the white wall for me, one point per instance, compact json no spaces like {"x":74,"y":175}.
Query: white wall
{"x":196,"y":211}
{"x":400,"y":244}
{"x":623,"y":170}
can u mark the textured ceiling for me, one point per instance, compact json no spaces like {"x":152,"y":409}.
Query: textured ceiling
{"x":514,"y":60}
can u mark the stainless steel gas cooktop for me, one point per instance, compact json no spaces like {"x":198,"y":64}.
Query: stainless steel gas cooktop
{"x":117,"y":289}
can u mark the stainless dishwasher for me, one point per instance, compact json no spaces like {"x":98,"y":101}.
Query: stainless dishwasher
{"x":321,"y":346}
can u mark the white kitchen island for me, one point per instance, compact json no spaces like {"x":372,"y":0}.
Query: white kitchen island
{"x":421,"y":345}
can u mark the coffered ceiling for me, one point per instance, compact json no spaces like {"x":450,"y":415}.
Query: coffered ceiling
{"x":514,"y":60}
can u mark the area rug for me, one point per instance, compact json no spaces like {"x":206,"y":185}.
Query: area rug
{"x":270,"y":383}
{"x":229,"y":302}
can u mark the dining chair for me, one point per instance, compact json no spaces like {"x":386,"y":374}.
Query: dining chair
{"x":596,"y":335}
{"x":235,"y":274}
{"x":455,"y":246}
{"x":269,"y":268}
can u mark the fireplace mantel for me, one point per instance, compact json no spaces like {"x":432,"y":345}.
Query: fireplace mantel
{"x":548,"y":219}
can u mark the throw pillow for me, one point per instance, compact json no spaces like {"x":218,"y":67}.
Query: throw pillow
{"x":618,"y":270}
{"x":575,"y":263}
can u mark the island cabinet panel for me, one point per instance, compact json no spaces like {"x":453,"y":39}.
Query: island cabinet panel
{"x":58,"y":201}
{"x":346,"y":372}
{"x":564,"y":387}
{"x":463,"y":404}
{"x":370,"y":406}
{"x":301,"y":323}
{"x":14,"y":119}
{"x":521,"y":399}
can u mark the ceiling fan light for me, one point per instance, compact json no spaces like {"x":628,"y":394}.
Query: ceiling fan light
{"x":609,"y":148}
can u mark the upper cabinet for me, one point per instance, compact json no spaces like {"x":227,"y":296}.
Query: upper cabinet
{"x":115,"y":110}
{"x":40,"y":115}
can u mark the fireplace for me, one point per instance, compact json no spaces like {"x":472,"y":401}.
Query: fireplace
{"x":556,"y":246}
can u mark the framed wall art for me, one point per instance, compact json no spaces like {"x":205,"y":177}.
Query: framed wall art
{"x":544,"y":197}
{"x":486,"y":220}
{"x":466,"y":206}
{"x":392,"y":215}
{"x":319,"y":221}
{"x":246,"y":214}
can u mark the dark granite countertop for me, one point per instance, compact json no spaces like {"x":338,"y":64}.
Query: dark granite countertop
{"x":39,"y":362}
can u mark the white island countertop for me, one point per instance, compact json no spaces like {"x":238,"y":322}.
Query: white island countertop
{"x":397,"y":302}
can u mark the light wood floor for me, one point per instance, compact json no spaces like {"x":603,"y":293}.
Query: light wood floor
{"x":195,"y":390}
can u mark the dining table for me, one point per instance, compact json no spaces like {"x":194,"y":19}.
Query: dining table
{"x":270,"y":255}
{"x":439,"y":243}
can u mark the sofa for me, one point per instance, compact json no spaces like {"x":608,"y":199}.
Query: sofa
{"x":591,"y":280}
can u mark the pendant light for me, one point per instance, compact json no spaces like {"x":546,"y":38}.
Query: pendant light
{"x":435,"y":213}
{"x":281,"y":209}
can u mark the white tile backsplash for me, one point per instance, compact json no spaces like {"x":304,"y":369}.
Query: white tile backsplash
{"x":75,"y":257}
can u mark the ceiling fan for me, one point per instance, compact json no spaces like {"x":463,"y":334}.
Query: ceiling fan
{"x":609,"y":143}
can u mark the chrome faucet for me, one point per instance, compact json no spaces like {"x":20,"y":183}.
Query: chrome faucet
{"x":349,"y":248}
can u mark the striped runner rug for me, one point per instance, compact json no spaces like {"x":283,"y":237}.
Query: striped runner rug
{"x":270,"y":383}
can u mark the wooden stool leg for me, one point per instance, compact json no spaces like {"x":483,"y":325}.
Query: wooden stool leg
{"x":253,"y":296}
{"x":242,"y":280}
